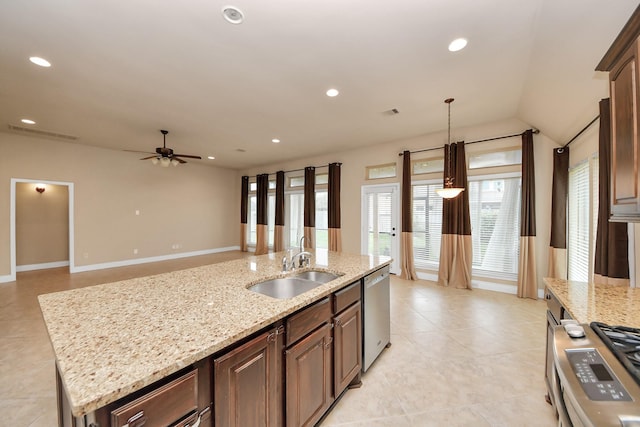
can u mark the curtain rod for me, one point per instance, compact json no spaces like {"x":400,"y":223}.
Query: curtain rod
{"x":581,"y":132}
{"x":300,"y":170}
{"x":535,"y":131}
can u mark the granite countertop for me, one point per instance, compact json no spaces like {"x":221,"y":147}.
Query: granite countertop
{"x":113,"y":339}
{"x":589,"y":302}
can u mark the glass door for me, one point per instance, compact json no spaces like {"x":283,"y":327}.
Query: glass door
{"x":380,"y":232}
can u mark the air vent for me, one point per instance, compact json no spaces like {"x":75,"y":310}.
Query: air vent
{"x":391,"y":112}
{"x":43,"y":133}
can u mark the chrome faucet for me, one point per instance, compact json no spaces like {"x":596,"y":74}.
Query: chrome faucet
{"x":289,"y":261}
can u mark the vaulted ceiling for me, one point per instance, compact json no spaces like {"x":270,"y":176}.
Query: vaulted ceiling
{"x":123,"y":70}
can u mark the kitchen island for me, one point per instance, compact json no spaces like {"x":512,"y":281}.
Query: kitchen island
{"x":115,"y":339}
{"x":590,"y":302}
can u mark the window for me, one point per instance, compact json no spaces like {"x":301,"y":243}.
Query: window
{"x":425,"y":166}
{"x":252,"y":238}
{"x":322,"y":219}
{"x":494,"y":207}
{"x":379,"y":221}
{"x":427,"y":224}
{"x":294,"y":218}
{"x":491,"y":159}
{"x":381,"y":171}
{"x":582,"y":219}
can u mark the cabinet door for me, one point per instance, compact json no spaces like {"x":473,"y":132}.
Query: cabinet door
{"x":248,"y":383}
{"x":347,"y":333}
{"x":625,"y":200}
{"x":308,"y":378}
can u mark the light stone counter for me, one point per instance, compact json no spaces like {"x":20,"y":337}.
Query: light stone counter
{"x":113,"y":339}
{"x":588,"y":302}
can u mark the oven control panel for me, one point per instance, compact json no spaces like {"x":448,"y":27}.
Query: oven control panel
{"x":595,"y":376}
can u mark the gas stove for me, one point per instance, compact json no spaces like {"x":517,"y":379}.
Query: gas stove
{"x":624,"y":343}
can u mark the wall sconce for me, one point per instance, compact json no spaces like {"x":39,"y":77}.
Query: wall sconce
{"x":40,"y":188}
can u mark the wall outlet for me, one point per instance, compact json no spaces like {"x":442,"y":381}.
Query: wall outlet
{"x":135,"y":252}
{"x":85,"y":255}
{"x":137,"y":212}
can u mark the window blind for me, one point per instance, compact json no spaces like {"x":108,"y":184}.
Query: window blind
{"x":427,"y":224}
{"x":494,"y":207}
{"x":580,"y":220}
{"x":322,"y":219}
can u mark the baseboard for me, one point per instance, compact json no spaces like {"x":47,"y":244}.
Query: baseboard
{"x":481,"y":284}
{"x":43,"y":266}
{"x":7,"y":278}
{"x":128,"y":262}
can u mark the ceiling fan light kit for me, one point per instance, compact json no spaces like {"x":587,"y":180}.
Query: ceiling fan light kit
{"x":449,"y":191}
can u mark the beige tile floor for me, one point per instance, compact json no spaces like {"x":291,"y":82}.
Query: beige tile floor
{"x":459,"y":358}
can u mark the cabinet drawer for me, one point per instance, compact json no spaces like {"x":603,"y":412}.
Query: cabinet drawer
{"x":346,"y":296}
{"x":165,"y":406}
{"x":300,"y":324}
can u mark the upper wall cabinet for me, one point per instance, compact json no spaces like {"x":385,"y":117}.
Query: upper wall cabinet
{"x":621,"y":61}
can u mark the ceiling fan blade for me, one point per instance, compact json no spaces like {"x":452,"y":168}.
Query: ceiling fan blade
{"x":178,"y":159}
{"x":147,"y":158}
{"x":187,"y":156}
{"x":136,"y":151}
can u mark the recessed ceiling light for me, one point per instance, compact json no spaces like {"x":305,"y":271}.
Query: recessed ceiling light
{"x":232,"y":14}
{"x":28,"y":121}
{"x":275,"y":140}
{"x":457,"y":44}
{"x":333,"y":92}
{"x":40,"y":61}
{"x":211,"y":158}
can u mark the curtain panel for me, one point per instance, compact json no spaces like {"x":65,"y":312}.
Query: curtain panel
{"x":309,"y":207}
{"x":406,"y":245}
{"x":527,"y":276}
{"x":559,"y":197}
{"x":262,"y":197}
{"x":278,"y":233}
{"x":456,"y":254}
{"x":335,"y":233}
{"x":611,"y":255}
{"x":244,"y":202}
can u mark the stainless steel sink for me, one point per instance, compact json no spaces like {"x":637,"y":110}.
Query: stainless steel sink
{"x":284,"y":287}
{"x":289,"y":287}
{"x":317,"y":276}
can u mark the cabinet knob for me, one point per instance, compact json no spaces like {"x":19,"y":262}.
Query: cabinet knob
{"x":328,"y":344}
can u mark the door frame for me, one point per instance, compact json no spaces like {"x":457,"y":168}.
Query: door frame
{"x":12,"y":221}
{"x":395,"y":218}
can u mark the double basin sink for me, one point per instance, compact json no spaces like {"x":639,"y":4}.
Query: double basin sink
{"x":294,"y":285}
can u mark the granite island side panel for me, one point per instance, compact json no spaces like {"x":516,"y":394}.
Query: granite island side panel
{"x":113,"y":339}
{"x":590,"y":302}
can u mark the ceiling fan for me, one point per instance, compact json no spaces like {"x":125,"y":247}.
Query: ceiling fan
{"x":165,"y":156}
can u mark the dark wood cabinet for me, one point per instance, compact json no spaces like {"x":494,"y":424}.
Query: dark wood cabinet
{"x":248,"y":383}
{"x":309,"y":378}
{"x":621,"y":61}
{"x":347,"y":334}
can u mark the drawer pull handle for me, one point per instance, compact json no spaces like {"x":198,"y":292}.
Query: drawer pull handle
{"x":137,"y":420}
{"x":329,"y":341}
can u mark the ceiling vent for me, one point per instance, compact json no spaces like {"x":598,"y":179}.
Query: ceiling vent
{"x":391,"y":112}
{"x":43,"y":133}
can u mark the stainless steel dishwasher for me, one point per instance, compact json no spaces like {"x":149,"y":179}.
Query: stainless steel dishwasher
{"x":376,"y":313}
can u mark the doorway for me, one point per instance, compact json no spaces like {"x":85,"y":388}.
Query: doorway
{"x":13,"y":198}
{"x":380,"y":231}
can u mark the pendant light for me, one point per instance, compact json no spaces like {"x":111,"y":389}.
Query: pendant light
{"x":449,"y":191}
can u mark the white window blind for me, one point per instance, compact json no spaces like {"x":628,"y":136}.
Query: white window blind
{"x":494,"y":207}
{"x":322,"y":219}
{"x":582,"y":219}
{"x":427,"y":224}
{"x":252,"y":220}
{"x":294,"y":218}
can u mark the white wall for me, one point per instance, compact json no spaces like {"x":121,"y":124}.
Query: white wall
{"x":185,"y":209}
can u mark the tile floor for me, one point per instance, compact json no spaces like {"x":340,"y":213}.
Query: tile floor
{"x":458,"y":358}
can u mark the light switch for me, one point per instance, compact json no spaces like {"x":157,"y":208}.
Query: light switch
{"x":137,"y":212}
